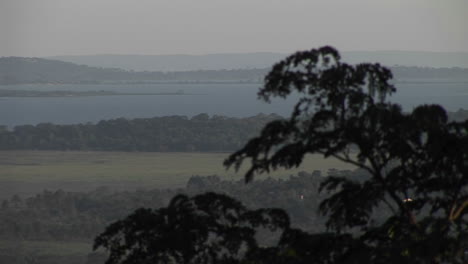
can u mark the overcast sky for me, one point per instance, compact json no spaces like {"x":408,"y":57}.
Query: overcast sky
{"x":69,"y":27}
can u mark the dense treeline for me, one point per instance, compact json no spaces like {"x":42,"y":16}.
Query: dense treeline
{"x":18,"y":70}
{"x":200,"y":133}
{"x":54,"y":216}
{"x":170,"y":133}
{"x":72,"y":216}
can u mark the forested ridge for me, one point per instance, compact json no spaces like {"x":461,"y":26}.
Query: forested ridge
{"x":20,"y":70}
{"x":200,"y":133}
{"x":169,"y":133}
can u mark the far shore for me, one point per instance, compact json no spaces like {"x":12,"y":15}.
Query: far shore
{"x":28,"y":93}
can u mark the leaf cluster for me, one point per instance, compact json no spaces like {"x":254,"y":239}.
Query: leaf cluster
{"x":208,"y":228}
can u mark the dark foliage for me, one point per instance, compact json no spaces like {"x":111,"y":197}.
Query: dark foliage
{"x":416,"y":164}
{"x":417,"y":161}
{"x":214,"y":228}
{"x":208,"y":228}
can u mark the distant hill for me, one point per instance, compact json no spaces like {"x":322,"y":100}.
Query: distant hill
{"x":18,"y":70}
{"x":261,"y":60}
{"x":405,"y":73}
{"x":409,"y":58}
{"x":177,"y":62}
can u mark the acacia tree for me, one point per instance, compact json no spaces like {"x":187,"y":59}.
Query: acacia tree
{"x":417,"y":162}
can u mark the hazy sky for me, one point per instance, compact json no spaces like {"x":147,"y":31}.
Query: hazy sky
{"x":75,"y":27}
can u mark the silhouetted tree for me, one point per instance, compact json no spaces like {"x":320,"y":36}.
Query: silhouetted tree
{"x":416,"y":162}
{"x":208,"y":228}
{"x":416,"y":165}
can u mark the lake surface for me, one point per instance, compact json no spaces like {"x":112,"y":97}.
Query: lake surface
{"x":229,"y":99}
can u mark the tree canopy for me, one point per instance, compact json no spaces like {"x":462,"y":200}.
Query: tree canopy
{"x":208,"y":228}
{"x":416,"y":165}
{"x":417,"y":162}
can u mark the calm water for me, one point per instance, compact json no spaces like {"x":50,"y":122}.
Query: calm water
{"x":236,"y":99}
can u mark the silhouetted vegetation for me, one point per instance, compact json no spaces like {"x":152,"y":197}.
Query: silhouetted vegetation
{"x":407,"y":202}
{"x":416,"y":163}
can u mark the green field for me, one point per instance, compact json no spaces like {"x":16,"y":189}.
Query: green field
{"x":28,"y":172}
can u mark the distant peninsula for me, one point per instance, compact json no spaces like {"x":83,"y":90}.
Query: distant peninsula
{"x":260,"y":60}
{"x":61,"y":93}
{"x":20,"y":70}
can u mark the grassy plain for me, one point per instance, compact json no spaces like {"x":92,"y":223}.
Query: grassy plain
{"x":28,"y":172}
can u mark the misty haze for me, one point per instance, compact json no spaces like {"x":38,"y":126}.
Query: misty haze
{"x":233,"y":132}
